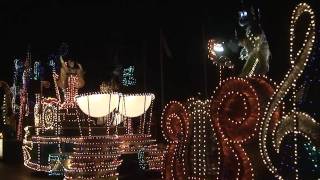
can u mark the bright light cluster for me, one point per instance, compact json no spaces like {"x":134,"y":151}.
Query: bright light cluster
{"x":216,"y":54}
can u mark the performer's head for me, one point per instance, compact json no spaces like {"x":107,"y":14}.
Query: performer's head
{"x":70,"y":59}
{"x":71,"y":63}
{"x":248,"y":19}
{"x":248,"y":14}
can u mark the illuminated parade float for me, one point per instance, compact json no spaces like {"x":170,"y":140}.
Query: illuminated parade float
{"x":83,"y":136}
{"x":249,"y":128}
{"x":78,"y":136}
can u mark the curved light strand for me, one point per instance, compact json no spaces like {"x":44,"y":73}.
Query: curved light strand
{"x":300,"y":60}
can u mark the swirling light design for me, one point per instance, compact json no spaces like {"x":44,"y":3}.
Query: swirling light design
{"x":175,"y":128}
{"x":235,"y":115}
{"x":298,"y":63}
{"x":305,"y":125}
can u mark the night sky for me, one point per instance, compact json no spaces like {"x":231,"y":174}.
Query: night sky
{"x":104,"y":34}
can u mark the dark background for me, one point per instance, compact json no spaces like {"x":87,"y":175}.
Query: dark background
{"x":102,"y":34}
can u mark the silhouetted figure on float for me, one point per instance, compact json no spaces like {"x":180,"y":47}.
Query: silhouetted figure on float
{"x":252,"y":40}
{"x":70,"y":79}
{"x":255,"y":49}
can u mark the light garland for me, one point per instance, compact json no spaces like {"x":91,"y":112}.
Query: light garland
{"x":204,"y":163}
{"x":94,"y":157}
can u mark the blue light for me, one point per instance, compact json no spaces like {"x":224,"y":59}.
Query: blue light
{"x":36,"y":71}
{"x":128,"y":76}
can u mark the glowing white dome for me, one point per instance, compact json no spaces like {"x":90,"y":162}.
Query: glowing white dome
{"x":99,"y":104}
{"x":134,"y":105}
